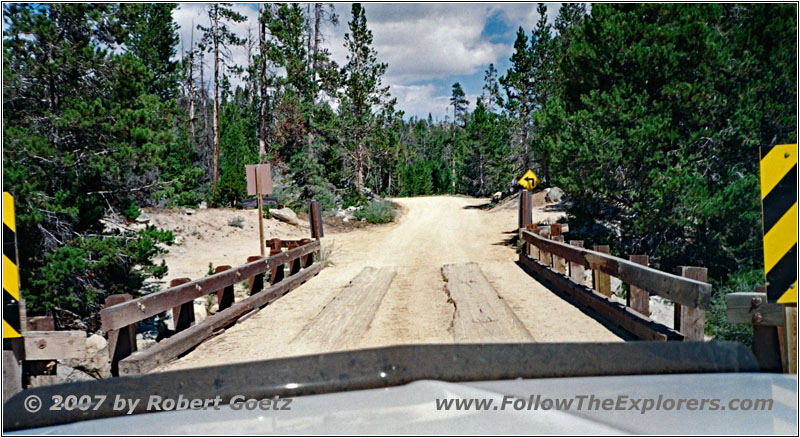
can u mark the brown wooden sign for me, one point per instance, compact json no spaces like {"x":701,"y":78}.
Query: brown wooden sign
{"x":264,"y":178}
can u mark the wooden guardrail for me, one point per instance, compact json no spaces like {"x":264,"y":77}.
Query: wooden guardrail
{"x":774,"y":342}
{"x":268,"y":280}
{"x":564,"y":264}
{"x":119,"y":318}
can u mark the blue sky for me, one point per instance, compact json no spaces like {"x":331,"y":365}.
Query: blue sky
{"x":428,"y":46}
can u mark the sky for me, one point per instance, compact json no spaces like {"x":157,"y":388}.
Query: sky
{"x":427,"y":46}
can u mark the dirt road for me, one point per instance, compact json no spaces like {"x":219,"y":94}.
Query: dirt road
{"x":429,"y":233}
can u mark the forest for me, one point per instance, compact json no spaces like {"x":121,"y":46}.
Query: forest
{"x":648,"y":116}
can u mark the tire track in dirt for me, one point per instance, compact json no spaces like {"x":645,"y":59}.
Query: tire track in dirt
{"x":431,"y":232}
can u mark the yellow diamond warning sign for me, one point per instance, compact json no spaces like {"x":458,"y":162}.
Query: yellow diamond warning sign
{"x":529,"y":180}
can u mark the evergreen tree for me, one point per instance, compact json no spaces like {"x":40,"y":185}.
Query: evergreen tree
{"x":460,"y":104}
{"x":81,"y":141}
{"x":217,"y":37}
{"x":519,"y":87}
{"x":363,"y":93}
{"x":491,"y":90}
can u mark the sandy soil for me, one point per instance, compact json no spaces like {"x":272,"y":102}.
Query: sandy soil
{"x":429,"y":233}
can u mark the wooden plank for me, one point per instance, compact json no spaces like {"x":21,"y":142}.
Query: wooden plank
{"x":122,"y":341}
{"x":614,"y":313}
{"x":673,"y":287}
{"x":693,"y":320}
{"x":752,"y":308}
{"x":168,"y":349}
{"x":577,"y":272}
{"x":638,"y":298}
{"x":481,"y":315}
{"x":41,"y":323}
{"x":558,"y":262}
{"x":545,"y":256}
{"x":183,"y":315}
{"x":277,"y":273}
{"x":256,"y":283}
{"x":601,"y":280}
{"x":344,"y":321}
{"x":528,"y":207}
{"x":315,"y":220}
{"x":791,"y":339}
{"x":225,"y":296}
{"x":120,"y":315}
{"x":46,"y":345}
{"x":568,"y":252}
{"x":767,"y":348}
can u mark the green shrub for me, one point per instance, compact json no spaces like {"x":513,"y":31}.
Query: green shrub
{"x":717,"y":324}
{"x":132,"y":211}
{"x":376,"y":212}
{"x":352,"y":197}
{"x":78,"y":276}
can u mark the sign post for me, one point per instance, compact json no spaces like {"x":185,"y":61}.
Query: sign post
{"x":259,"y":183}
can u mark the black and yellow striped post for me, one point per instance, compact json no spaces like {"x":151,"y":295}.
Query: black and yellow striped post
{"x":779,"y":212}
{"x":12,"y":327}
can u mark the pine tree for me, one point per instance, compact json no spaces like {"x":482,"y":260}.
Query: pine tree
{"x":217,"y":37}
{"x":363,"y":92}
{"x":519,"y":87}
{"x":83,"y":137}
{"x":491,"y":90}
{"x":460,"y":104}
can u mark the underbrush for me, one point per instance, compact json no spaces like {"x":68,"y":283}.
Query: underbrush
{"x":376,"y":212}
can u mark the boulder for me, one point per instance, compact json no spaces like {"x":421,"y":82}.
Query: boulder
{"x":95,"y":360}
{"x":143,"y":218}
{"x":203,"y":205}
{"x":285,"y":215}
{"x":189,"y":211}
{"x":497,"y":197}
{"x":554,"y":195}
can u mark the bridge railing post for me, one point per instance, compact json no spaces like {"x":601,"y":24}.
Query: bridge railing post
{"x":639,"y":299}
{"x":255,"y":283}
{"x":601,"y":280}
{"x":183,"y":315}
{"x":688,"y":320}
{"x":121,"y":342}
{"x":225,"y":296}
{"x":577,"y":272}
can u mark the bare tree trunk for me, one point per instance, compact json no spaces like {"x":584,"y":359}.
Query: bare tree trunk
{"x":191,"y":89}
{"x":359,"y":158}
{"x":216,"y":97}
{"x":317,"y":37}
{"x":204,"y":103}
{"x":262,"y":116}
{"x":309,"y":59}
{"x":526,"y":160}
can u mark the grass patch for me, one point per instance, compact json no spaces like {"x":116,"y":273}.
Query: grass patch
{"x":376,"y":212}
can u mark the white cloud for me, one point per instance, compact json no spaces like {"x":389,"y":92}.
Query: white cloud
{"x":419,"y":42}
{"x":419,"y":100}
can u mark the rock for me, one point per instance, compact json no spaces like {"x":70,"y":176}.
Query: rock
{"x":203,"y":205}
{"x":554,"y":195}
{"x":189,"y":211}
{"x":94,"y":362}
{"x":285,"y":215}
{"x":200,"y":309}
{"x":143,"y":218}
{"x":497,"y":196}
